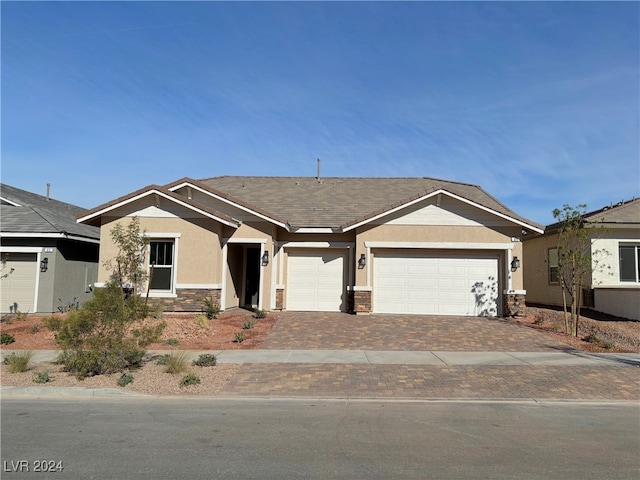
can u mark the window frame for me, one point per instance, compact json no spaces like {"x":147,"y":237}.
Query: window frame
{"x":172,"y":267}
{"x":636,"y":262}
{"x":550,"y":267}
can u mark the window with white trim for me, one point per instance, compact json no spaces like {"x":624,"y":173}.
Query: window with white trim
{"x":161,"y":265}
{"x":629,"y":263}
{"x":554,"y":268}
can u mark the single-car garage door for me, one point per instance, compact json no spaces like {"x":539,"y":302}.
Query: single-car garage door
{"x":18,"y":288}
{"x":315,"y":281}
{"x":439,"y":284}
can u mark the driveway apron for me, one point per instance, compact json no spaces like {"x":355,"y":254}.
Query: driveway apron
{"x":438,"y":334}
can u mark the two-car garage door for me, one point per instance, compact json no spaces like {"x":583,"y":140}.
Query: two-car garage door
{"x":435,"y":283}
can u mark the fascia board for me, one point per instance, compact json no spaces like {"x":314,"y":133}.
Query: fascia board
{"x":10,"y":202}
{"x":48,"y":235}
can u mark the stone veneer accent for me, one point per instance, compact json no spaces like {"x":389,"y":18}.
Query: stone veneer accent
{"x":279,"y":298}
{"x":360,"y":301}
{"x":187,"y":300}
{"x":514,"y":305}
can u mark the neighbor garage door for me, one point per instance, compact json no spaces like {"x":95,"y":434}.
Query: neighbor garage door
{"x":19,"y":286}
{"x":315,"y":280}
{"x":444,"y":284}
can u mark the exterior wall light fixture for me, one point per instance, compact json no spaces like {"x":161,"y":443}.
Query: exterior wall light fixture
{"x":362,"y":261}
{"x":44,"y":264}
{"x":265,"y":259}
{"x":515,"y":264}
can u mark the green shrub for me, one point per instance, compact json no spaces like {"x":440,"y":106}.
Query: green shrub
{"x":205,"y":360}
{"x":248,"y":324}
{"x":86,"y":363}
{"x":34,"y":329}
{"x":608,"y":345}
{"x":189,"y":379}
{"x":591,"y":338}
{"x":18,"y":362}
{"x":42,"y":377}
{"x":125,"y":379}
{"x":176,"y":362}
{"x":239,"y":337}
{"x":211,"y":309}
{"x":162,"y":359}
{"x":52,"y":323}
{"x":258,"y":313}
{"x":7,"y":338}
{"x":172,"y":342}
{"x":21,"y":316}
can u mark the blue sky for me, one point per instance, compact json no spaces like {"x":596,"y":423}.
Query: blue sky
{"x":536,"y":102}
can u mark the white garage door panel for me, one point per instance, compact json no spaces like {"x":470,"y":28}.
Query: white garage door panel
{"x":315,"y":281}
{"x":435,"y":284}
{"x":19,"y":287}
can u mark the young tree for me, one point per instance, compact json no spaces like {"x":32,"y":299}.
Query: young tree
{"x":575,"y":260}
{"x":107,"y":334}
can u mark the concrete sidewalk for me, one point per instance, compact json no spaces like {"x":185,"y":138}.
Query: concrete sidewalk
{"x":395,"y":357}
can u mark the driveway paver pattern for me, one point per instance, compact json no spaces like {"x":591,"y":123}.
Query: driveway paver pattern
{"x":426,"y":381}
{"x":335,"y":331}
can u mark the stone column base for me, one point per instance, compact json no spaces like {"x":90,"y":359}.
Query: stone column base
{"x":514,"y":304}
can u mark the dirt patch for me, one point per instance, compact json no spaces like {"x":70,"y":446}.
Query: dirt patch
{"x":190,"y":330}
{"x":606,"y":333}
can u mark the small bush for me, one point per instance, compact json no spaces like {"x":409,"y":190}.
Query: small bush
{"x":18,"y":362}
{"x":86,"y":363}
{"x":189,"y":379}
{"x":239,"y":337}
{"x":202,"y":321}
{"x":7,"y":338}
{"x":591,"y":338}
{"x":176,"y":363}
{"x":125,"y":379}
{"x":248,"y":324}
{"x":172,"y":342}
{"x":211,"y":309}
{"x":53,"y":323}
{"x":21,"y":316}
{"x":538,"y":319}
{"x":34,"y":329}
{"x":607,"y":345}
{"x":162,"y":359}
{"x":42,"y":377}
{"x":205,"y":360}
{"x":258,"y":313}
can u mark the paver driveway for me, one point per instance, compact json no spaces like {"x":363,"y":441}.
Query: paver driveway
{"x":337,"y":331}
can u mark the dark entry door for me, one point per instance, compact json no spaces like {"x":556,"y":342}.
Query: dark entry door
{"x":252,"y":277}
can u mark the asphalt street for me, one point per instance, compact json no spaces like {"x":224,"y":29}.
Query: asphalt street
{"x":154,"y":438}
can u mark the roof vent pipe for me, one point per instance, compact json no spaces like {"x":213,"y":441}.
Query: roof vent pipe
{"x":48,"y":191}
{"x":318,"y":177}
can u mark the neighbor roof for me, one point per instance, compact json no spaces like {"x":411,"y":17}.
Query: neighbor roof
{"x":619,"y":214}
{"x":338,"y":203}
{"x":27,"y":213}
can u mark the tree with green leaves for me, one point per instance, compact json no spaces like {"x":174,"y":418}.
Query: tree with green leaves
{"x":109,"y":332}
{"x":576,"y":261}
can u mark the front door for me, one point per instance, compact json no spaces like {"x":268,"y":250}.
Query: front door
{"x":252,"y":277}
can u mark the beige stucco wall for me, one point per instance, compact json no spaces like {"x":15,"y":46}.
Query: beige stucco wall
{"x":198,"y":251}
{"x":440,"y":234}
{"x":621,"y":302}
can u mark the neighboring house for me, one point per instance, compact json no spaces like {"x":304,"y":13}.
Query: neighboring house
{"x":49,"y":259}
{"x":363,"y":245}
{"x":614,"y":286}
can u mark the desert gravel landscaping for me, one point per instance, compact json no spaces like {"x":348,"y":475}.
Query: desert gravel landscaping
{"x":191,"y":333}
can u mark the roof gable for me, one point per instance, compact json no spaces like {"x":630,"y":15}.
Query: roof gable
{"x":93,"y":216}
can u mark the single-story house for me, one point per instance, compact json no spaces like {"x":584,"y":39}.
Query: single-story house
{"x":362,"y":245}
{"x":49,"y":260}
{"x":614,"y":285}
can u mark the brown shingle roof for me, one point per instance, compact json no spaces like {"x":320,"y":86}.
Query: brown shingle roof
{"x":336,"y":202}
